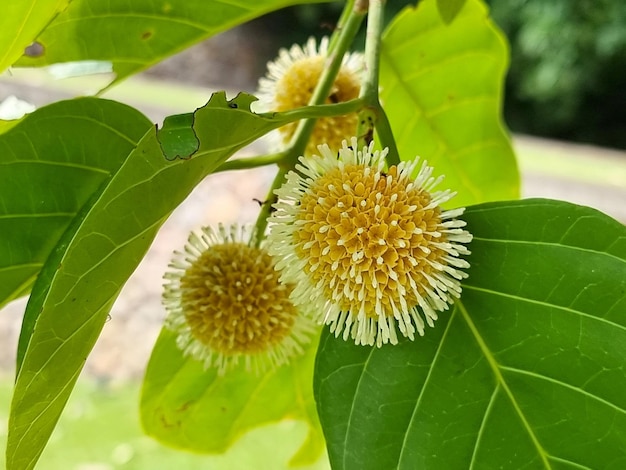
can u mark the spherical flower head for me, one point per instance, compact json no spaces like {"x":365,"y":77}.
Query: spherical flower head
{"x":368,"y":249}
{"x":226,"y":304}
{"x":289,"y":84}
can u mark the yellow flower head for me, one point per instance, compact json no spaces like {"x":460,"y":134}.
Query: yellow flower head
{"x":368,"y":248}
{"x":226,"y":304}
{"x":289,"y":84}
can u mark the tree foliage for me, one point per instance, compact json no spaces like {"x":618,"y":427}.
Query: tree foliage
{"x":526,"y":369}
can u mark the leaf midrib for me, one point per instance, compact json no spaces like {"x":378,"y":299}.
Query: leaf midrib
{"x":495,"y":368}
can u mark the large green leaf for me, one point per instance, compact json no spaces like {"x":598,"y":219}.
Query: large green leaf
{"x":21,"y":22}
{"x":527,"y":371}
{"x":50,"y":163}
{"x":186,"y":406}
{"x":442,"y":90}
{"x":135,"y":35}
{"x":100,"y":249}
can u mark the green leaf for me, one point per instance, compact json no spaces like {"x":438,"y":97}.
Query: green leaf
{"x":135,"y":35}
{"x":185,"y":406}
{"x":98,"y":252}
{"x":442,"y":90}
{"x":51,"y":162}
{"x":527,"y":371}
{"x":448,"y":9}
{"x":21,"y":22}
{"x":177,"y":137}
{"x":6,"y":125}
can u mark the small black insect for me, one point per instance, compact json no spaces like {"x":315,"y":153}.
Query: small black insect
{"x":262,"y":203}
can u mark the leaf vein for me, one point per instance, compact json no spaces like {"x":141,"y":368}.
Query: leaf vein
{"x":495,"y":367}
{"x":483,"y":423}
{"x":555,"y":244}
{"x":428,"y":376}
{"x":352,"y":406}
{"x":545,"y":304}
{"x":37,"y":215}
{"x":564,"y":384}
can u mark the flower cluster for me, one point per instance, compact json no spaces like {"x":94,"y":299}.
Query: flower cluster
{"x":290,"y":82}
{"x":226,"y":304}
{"x":366,"y":247}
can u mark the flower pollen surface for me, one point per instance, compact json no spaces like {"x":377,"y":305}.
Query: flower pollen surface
{"x":226,"y":302}
{"x":290,"y":82}
{"x":234,"y":302}
{"x":370,"y":248}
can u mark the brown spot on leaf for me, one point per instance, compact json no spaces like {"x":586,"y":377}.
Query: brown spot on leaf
{"x":36,"y":49}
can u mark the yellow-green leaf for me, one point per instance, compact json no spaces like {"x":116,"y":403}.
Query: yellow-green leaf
{"x":135,"y":35}
{"x":186,"y":406}
{"x":20,"y":23}
{"x":442,"y":90}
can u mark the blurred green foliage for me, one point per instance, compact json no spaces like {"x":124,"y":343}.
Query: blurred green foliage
{"x":568,"y":58}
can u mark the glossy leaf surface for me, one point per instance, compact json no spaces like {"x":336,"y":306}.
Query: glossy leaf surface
{"x":50,"y":163}
{"x":441,"y":86}
{"x":100,"y":249}
{"x":135,"y":35}
{"x":527,"y":371}
{"x":21,"y":22}
{"x":185,"y":406}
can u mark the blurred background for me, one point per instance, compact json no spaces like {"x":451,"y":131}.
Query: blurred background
{"x":565,"y":104}
{"x":567,"y":78}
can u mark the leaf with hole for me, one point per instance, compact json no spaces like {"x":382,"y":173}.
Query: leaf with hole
{"x":135,"y":35}
{"x":21,"y":22}
{"x":101,"y":247}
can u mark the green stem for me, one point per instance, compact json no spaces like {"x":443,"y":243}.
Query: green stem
{"x":343,"y":40}
{"x":369,"y":87}
{"x":266,"y":207}
{"x":349,"y":24}
{"x":373,"y":115}
{"x":252,"y":162}
{"x":345,"y":15}
{"x":385,"y":135}
{"x":318,"y":111}
{"x":306,"y":112}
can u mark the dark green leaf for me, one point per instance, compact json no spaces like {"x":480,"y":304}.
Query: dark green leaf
{"x":50,"y":163}
{"x":135,"y":35}
{"x":186,"y":406}
{"x":527,"y":371}
{"x":96,"y":255}
{"x":442,"y":90}
{"x":448,"y":9}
